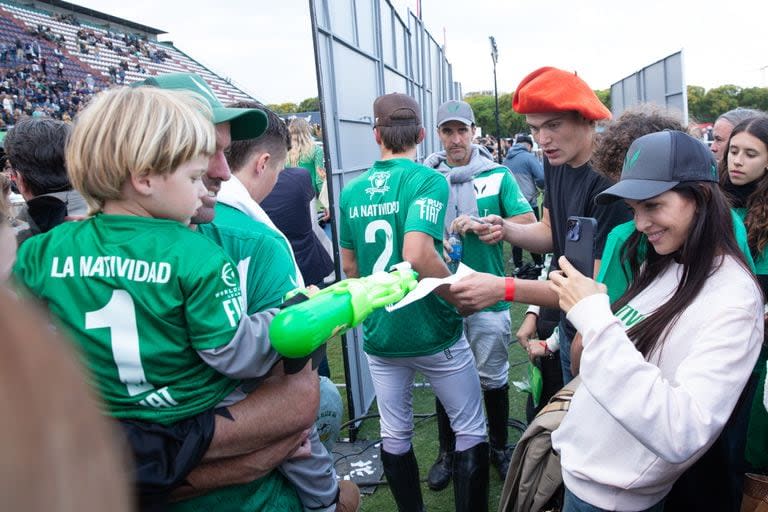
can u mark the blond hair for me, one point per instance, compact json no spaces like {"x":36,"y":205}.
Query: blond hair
{"x":126,"y":132}
{"x":302,"y":145}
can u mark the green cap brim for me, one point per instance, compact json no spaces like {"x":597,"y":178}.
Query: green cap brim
{"x":244,"y":123}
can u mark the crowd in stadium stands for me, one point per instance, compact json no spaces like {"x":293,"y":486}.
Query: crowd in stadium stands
{"x":26,"y":90}
{"x":91,"y":42}
{"x":66,"y":18}
{"x":33,"y":85}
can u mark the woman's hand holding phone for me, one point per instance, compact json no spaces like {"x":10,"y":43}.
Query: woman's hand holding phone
{"x":571,"y":286}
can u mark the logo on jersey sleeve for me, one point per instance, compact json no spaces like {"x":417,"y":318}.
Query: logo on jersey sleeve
{"x":378,"y":183}
{"x":429,"y":209}
{"x":228,"y":275}
{"x":232,"y":303}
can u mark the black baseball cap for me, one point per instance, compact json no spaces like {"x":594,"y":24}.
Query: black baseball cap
{"x":524,"y":138}
{"x":658,"y":162}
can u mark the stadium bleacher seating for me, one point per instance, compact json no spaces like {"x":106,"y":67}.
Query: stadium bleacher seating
{"x":104,"y":48}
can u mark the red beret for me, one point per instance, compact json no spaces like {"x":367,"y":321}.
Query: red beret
{"x":550,"y":89}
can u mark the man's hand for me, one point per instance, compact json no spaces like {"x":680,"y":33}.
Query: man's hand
{"x":571,"y":286}
{"x":304,"y":449}
{"x":242,"y":469}
{"x":478,"y":291}
{"x":489,"y":229}
{"x":447,"y":249}
{"x":526,"y":331}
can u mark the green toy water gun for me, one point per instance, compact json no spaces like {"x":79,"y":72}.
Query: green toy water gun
{"x":299,"y":329}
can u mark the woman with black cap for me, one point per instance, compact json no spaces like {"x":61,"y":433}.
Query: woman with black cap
{"x":663,"y":367}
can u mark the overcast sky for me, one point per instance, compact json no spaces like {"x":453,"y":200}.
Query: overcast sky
{"x":265,"y":46}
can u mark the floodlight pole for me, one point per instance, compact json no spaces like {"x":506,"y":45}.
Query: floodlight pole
{"x":495,"y":58}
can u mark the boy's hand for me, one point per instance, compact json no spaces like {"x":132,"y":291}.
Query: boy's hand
{"x":537,"y":348}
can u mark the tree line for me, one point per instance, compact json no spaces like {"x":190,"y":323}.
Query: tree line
{"x":703,"y":106}
{"x":307,"y":105}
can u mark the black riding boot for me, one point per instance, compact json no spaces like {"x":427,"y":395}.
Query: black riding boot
{"x":497,"y":411}
{"x":439,"y":475}
{"x":470,"y":479}
{"x":402,"y":472}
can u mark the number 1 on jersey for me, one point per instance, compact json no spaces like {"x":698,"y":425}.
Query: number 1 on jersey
{"x":119,"y":316}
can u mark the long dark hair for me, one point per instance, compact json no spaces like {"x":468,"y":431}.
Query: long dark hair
{"x":756,"y":204}
{"x":710,"y":237}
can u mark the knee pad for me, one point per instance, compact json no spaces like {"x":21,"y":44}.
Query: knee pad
{"x":396,"y":446}
{"x":465,"y":442}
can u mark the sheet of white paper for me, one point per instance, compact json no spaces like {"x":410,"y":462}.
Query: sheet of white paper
{"x":427,"y":285}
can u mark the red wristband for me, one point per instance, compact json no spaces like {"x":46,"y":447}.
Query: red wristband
{"x":509,"y":289}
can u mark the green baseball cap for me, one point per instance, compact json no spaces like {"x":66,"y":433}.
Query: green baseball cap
{"x":244,"y":123}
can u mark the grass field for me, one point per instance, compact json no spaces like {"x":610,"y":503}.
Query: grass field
{"x":425,"y":437}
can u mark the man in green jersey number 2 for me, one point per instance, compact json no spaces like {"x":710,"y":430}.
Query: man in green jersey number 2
{"x":394,"y":212}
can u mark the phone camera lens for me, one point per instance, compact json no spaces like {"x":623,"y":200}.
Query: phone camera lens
{"x":574,"y":231}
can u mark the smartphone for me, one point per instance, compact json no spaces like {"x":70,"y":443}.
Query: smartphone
{"x":580,"y":244}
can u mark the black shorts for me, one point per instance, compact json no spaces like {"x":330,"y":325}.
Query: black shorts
{"x":164,"y":455}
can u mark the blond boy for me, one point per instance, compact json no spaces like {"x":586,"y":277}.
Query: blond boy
{"x":128,"y":283}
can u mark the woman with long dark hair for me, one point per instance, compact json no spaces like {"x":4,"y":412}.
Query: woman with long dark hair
{"x":662,"y":369}
{"x":744,"y":178}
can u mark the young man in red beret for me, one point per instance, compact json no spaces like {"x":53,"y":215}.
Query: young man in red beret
{"x":561,"y":111}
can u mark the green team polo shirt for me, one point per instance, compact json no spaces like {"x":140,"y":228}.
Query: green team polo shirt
{"x":377,"y":209}
{"x":269,"y":493}
{"x":761,"y":261}
{"x":139,"y":296}
{"x":263,"y":262}
{"x":312,"y":163}
{"x":756,"y":451}
{"x":497,"y":193}
{"x":267,"y":273}
{"x":616,"y":276}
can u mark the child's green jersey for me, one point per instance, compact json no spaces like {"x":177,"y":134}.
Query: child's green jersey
{"x":139,"y":296}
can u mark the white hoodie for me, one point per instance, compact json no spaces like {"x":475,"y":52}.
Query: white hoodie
{"x":635,"y":426}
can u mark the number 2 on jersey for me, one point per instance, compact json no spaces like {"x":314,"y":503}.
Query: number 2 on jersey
{"x":370,"y":238}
